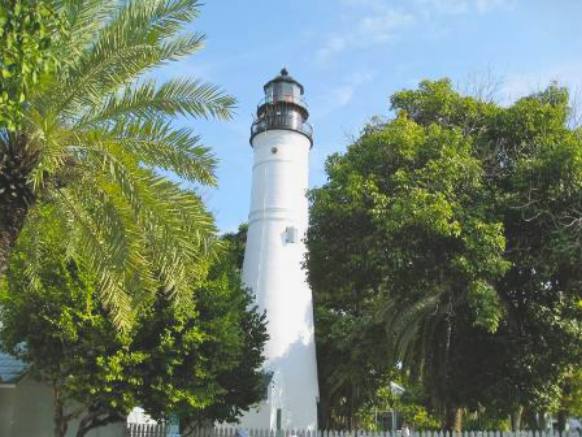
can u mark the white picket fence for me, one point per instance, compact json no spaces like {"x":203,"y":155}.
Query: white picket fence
{"x":135,"y":430}
{"x":149,"y":430}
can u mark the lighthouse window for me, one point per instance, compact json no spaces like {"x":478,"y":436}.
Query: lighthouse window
{"x":291,"y":234}
{"x":287,"y":91}
{"x":274,"y":150}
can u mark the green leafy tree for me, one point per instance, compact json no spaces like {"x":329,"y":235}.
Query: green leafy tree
{"x":236,"y":243}
{"x":27,"y":30}
{"x":351,"y":364}
{"x":531,"y":163}
{"x":447,"y":233}
{"x":94,"y":136}
{"x":200,"y":360}
{"x":58,"y":328}
{"x":410,"y":406}
{"x":416,"y":202}
{"x":229,"y":359}
{"x":570,"y":403}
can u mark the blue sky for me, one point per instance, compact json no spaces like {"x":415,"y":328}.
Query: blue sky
{"x":351,"y":55}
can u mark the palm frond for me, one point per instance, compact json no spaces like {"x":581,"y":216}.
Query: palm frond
{"x":135,"y":230}
{"x":101,"y":137}
{"x":52,"y":141}
{"x":96,"y":253}
{"x":138,"y":38}
{"x":159,"y":145}
{"x":403,"y":322}
{"x":174,"y":223}
{"x":85,"y":18}
{"x":175,"y":97}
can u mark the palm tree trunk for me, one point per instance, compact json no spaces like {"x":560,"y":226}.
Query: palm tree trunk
{"x":16,"y":196}
{"x":12,"y":216}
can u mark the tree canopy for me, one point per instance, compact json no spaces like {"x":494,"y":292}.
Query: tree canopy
{"x":27,"y":30}
{"x":95,"y":138}
{"x":200,"y":360}
{"x":449,"y":238}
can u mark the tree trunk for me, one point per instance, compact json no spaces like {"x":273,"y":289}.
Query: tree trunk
{"x":454,"y":419}
{"x":323,"y":410}
{"x":562,"y":418}
{"x":351,"y":412}
{"x":16,"y":163}
{"x":458,"y":420}
{"x":12,"y":216}
{"x":449,"y":419}
{"x":516,"y":416}
{"x":96,"y":420}
{"x":60,"y":421}
{"x":542,"y":420}
{"x":86,"y":424}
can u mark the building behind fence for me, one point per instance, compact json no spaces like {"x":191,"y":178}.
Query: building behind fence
{"x":161,"y":430}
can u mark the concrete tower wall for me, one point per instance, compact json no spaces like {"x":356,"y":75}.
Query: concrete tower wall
{"x":273,"y":270}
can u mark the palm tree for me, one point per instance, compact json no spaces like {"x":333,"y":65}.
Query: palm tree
{"x":95,"y":138}
{"x":419,"y":337}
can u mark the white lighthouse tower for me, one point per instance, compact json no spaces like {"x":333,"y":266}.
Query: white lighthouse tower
{"x":273,"y":264}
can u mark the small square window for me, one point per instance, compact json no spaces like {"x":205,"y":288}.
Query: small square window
{"x":291,"y":234}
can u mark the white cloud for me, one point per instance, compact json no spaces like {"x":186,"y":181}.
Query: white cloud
{"x":383,"y":27}
{"x":377,"y":22}
{"x":361,"y":3}
{"x":446,"y":6}
{"x":519,"y":84}
{"x":486,"y":5}
{"x":342,"y":94}
{"x":333,"y":45}
{"x":369,"y":30}
{"x":456,"y":7}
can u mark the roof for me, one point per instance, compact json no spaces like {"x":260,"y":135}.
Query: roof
{"x":11,"y":369}
{"x":283,"y":77}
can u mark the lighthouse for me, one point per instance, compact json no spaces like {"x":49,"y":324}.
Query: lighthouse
{"x":281,"y":139}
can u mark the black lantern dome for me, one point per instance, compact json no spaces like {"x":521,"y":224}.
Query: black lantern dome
{"x":283,"y":77}
{"x":283,"y":107}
